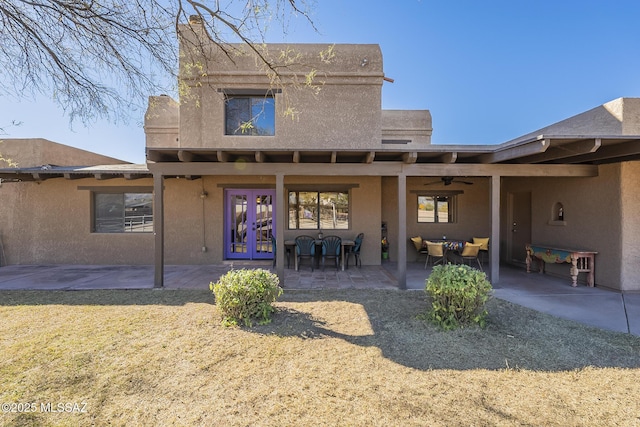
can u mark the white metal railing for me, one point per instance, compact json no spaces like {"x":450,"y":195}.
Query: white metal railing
{"x":138,"y":223}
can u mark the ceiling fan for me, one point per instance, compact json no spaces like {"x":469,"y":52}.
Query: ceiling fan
{"x":448,"y":180}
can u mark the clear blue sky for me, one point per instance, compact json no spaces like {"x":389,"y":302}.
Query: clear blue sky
{"x":489,"y":71}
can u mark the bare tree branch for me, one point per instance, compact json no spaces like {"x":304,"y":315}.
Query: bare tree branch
{"x":101,"y":58}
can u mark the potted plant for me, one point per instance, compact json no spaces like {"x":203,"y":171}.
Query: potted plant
{"x":385,"y":248}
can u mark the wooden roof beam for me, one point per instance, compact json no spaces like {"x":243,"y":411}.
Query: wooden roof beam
{"x":449,"y":157}
{"x":566,"y":150}
{"x":410,"y":157}
{"x":223,"y":157}
{"x":185,"y":156}
{"x":622,"y":149}
{"x":514,"y":152}
{"x":371,"y":155}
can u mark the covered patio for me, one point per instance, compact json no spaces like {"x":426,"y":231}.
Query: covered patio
{"x":596,"y":307}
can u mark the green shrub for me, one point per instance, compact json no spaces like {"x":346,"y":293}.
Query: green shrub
{"x":245,"y":295}
{"x":458,"y":294}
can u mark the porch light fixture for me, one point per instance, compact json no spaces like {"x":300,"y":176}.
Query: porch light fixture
{"x":204,"y":194}
{"x":364,"y":62}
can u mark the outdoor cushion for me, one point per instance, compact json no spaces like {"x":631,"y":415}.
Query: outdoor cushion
{"x":483,"y":242}
{"x":417,"y":242}
{"x":470,"y":250}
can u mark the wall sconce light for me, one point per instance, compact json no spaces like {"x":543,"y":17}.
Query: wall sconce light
{"x":203,"y":195}
{"x":364,"y":62}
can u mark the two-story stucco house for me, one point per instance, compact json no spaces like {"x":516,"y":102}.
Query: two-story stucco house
{"x":227,"y":170}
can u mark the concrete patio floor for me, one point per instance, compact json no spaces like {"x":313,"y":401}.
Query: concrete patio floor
{"x":597,"y":307}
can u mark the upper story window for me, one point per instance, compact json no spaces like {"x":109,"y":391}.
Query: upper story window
{"x":251,"y":115}
{"x":122,"y":212}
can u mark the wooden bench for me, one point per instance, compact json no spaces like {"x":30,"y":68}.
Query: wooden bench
{"x":581,"y":261}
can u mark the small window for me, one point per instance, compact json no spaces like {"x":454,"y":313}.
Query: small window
{"x":436,"y":209}
{"x":250,"y":115}
{"x":122,"y":212}
{"x":315,"y":210}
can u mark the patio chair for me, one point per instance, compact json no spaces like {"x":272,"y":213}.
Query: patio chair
{"x":435,"y":252}
{"x":355,"y":250}
{"x":469,"y":254}
{"x":287,"y":251}
{"x":331,"y":246}
{"x":305,"y":248}
{"x":484,"y":247}
{"x":419,"y":245}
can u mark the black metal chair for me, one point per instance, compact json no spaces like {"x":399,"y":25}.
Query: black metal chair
{"x":331,"y":248}
{"x":305,"y":248}
{"x":355,"y":250}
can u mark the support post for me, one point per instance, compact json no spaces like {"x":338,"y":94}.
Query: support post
{"x":280,"y":221}
{"x":158,"y":228}
{"x":494,"y":246}
{"x":402,"y":231}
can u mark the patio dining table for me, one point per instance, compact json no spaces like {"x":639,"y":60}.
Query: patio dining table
{"x":345,"y":243}
{"x":450,"y":245}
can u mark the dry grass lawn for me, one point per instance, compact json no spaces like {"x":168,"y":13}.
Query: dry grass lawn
{"x":354,"y":358}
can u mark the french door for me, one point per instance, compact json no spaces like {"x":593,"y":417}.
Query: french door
{"x":249,"y":224}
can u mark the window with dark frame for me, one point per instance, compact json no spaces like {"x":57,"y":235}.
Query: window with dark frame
{"x":318,"y":210}
{"x":122,"y":212}
{"x":436,"y":208}
{"x":250,"y":115}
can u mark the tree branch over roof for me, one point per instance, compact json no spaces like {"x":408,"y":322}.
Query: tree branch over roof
{"x":101,"y":58}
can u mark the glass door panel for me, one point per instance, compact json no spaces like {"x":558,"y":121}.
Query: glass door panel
{"x":249,"y":224}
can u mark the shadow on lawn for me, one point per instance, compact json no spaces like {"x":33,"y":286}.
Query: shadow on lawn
{"x":515,"y":337}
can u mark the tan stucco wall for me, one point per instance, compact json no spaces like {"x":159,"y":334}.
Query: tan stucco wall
{"x":472,"y":212}
{"x":184,"y":230}
{"x":344,"y":113}
{"x":50,"y":223}
{"x":630,"y":233}
{"x":161,"y":122}
{"x":341,"y":116}
{"x":30,"y":152}
{"x":593,"y":214}
{"x":412,"y":125}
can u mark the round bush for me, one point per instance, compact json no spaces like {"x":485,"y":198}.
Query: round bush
{"x":246,"y":295}
{"x":458,"y":295}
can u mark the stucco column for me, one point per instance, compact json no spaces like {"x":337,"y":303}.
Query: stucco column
{"x":158,"y":228}
{"x":402,"y":231}
{"x":280,"y":222}
{"x":494,"y":246}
